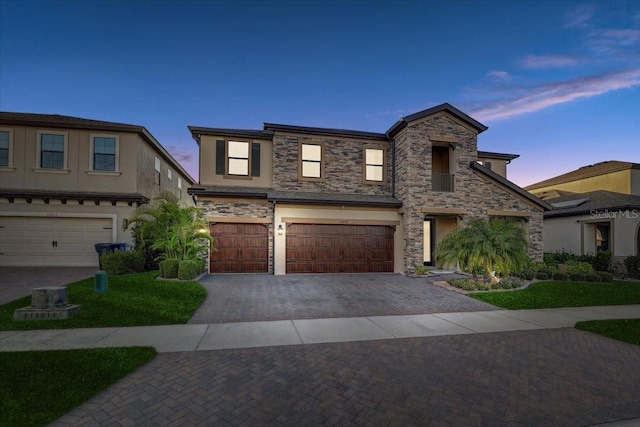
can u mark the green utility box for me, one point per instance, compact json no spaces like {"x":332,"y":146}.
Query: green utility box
{"x":101,"y":282}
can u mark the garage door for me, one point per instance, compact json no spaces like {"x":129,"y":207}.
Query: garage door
{"x":52,"y":241}
{"x":242,"y":248}
{"x":322,"y":248}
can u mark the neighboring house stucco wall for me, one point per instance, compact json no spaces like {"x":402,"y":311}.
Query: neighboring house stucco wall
{"x":619,"y":182}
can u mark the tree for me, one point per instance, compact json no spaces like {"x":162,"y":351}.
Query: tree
{"x":170,"y":230}
{"x":498,"y":244}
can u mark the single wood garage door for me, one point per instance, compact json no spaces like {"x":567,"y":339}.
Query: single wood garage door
{"x":325,"y":248}
{"x":242,"y":248}
{"x":52,"y":241}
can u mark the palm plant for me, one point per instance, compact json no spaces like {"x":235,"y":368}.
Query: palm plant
{"x":485,"y":245}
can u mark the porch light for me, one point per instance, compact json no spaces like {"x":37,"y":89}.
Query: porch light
{"x":280,"y":230}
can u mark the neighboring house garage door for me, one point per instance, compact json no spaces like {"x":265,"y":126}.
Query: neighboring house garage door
{"x":324,"y":248}
{"x":52,"y":241}
{"x":242,"y":248}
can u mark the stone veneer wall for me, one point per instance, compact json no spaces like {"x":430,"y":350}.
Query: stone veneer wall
{"x":413,"y":147}
{"x":343,"y":166}
{"x":235,"y":208}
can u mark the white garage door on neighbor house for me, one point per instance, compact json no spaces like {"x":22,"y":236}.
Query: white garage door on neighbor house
{"x":52,"y":241}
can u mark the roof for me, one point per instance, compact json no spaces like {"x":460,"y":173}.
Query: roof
{"x":196,"y":131}
{"x":599,"y":200}
{"x":72,"y":195}
{"x":589,"y":171}
{"x":298,"y":197}
{"x":58,"y":121}
{"x":326,"y":131}
{"x":510,"y":185}
{"x":501,"y":156}
{"x":403,"y":122}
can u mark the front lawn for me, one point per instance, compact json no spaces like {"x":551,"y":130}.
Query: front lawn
{"x":556,"y":294}
{"x":131,"y":300}
{"x":37,"y":387}
{"x":627,"y":330}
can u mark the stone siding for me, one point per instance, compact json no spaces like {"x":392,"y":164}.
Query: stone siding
{"x":234,"y":208}
{"x":343,"y":160}
{"x":413,"y":146}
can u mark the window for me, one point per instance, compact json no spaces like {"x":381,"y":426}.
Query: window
{"x":169,"y":174}
{"x":180,"y":186}
{"x":374,"y":164}
{"x":238,"y":158}
{"x":311,"y":161}
{"x":104,"y":153}
{"x":156,"y":177}
{"x":5,"y":148}
{"x":52,"y":151}
{"x":602,"y":236}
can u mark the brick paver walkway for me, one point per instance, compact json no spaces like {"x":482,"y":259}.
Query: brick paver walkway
{"x":560,"y":377}
{"x":255,"y":297}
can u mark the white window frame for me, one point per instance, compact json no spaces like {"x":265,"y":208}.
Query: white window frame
{"x":156,"y":170}
{"x":382,"y":166}
{"x":302,"y":162}
{"x":169,"y":174}
{"x":229,"y":158}
{"x":65,"y":164}
{"x":9,"y":164}
{"x":92,"y":150}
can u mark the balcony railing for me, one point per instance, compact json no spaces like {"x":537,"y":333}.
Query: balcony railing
{"x":442,"y":182}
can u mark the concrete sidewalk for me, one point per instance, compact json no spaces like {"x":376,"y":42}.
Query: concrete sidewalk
{"x":218,"y":336}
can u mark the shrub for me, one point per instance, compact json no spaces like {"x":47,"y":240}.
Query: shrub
{"x":632,"y":265}
{"x":421,"y":269}
{"x":122,"y":262}
{"x":560,"y":276}
{"x":605,"y":275}
{"x":577,"y":277}
{"x":188,"y":269}
{"x":202,"y":265}
{"x":579,"y":267}
{"x":510,"y":282}
{"x":602,"y":261}
{"x":169,"y":268}
{"x":593,"y":277}
{"x":528,"y":275}
{"x":541,"y":275}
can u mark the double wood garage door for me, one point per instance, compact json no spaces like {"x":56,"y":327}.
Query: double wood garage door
{"x":311,"y":248}
{"x":52,"y":241}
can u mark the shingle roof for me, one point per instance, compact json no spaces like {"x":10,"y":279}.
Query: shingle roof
{"x":72,"y":195}
{"x":502,"y":156}
{"x":599,"y":200}
{"x":326,"y":131}
{"x":196,"y":131}
{"x":510,"y":185}
{"x":68,"y":122}
{"x":402,"y":123}
{"x":596,"y":169}
{"x":298,"y":197}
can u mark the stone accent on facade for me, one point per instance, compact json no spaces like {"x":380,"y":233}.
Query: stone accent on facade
{"x":236,"y":208}
{"x":413,"y":148}
{"x":343,"y":166}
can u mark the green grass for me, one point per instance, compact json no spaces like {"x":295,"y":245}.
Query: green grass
{"x":37,"y":387}
{"x":130,"y":300}
{"x":555,"y":294}
{"x":627,"y":330}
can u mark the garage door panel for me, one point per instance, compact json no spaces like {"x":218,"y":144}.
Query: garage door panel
{"x":242,"y":248}
{"x":335,"y":248}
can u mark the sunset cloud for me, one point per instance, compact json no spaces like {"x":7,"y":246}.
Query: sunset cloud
{"x":579,"y":17}
{"x":548,"y":61}
{"x":181,"y":154}
{"x":547,"y":95}
{"x":499,"y":76}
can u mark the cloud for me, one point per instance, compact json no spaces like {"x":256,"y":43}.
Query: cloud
{"x":613,"y":41}
{"x":548,"y":61}
{"x":540,"y":97}
{"x":499,"y":76}
{"x":579,"y":17}
{"x":180,"y":154}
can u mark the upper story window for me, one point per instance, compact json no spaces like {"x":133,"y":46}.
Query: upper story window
{"x":237,"y":159}
{"x":311,"y":163}
{"x":180,"y":186}
{"x":156,"y":173}
{"x":5,"y":148}
{"x":374,"y":165}
{"x":52,"y":150}
{"x":104,"y":153}
{"x":485,"y":163}
{"x":441,"y":177}
{"x":169,"y":174}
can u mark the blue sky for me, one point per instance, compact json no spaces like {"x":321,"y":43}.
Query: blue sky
{"x":557,"y":82}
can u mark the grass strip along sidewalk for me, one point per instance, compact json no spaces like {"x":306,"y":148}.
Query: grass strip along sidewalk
{"x":627,"y":330}
{"x":37,"y":387}
{"x":130,"y":300}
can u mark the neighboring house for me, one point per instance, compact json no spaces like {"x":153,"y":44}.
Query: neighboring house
{"x":585,"y":223}
{"x":293,"y":199}
{"x":67,"y":183}
{"x":612,"y":175}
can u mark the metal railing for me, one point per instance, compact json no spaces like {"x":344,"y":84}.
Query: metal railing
{"x":442,"y":182}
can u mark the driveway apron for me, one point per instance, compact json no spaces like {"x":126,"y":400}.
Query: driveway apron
{"x":258,"y":297}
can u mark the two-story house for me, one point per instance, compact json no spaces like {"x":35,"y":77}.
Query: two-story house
{"x":293,"y":199}
{"x":67,"y":183}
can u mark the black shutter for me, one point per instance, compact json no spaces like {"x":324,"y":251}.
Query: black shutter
{"x":220,"y":160}
{"x":255,"y":159}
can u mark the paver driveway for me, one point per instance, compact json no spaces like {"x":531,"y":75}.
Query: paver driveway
{"x":254,"y":297}
{"x":17,"y":282}
{"x":560,"y":377}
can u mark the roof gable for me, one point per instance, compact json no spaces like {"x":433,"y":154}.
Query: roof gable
{"x":446,"y":108}
{"x":584,"y":172}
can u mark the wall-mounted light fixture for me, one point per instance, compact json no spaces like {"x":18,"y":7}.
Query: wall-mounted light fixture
{"x":280,"y":230}
{"x":125,"y":223}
